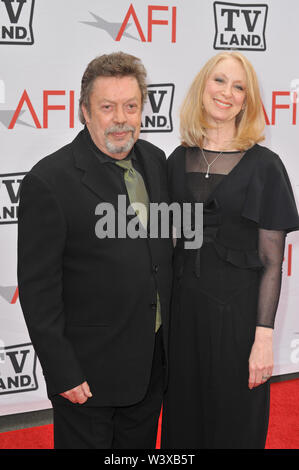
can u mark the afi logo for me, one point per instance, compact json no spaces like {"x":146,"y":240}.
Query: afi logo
{"x":288,"y":258}
{"x":157,"y":111}
{"x":9,"y":197}
{"x":277,"y":96}
{"x":16,"y":21}
{"x":18,"y":365}
{"x":9,"y":293}
{"x":119,"y":30}
{"x":11,"y":117}
{"x":240,"y":26}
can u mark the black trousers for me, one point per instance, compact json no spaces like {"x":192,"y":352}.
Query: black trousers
{"x":126,"y":427}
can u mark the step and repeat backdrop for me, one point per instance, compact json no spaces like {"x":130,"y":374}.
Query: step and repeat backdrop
{"x":45,"y":46}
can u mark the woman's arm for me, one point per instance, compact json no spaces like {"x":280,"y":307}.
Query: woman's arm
{"x":271,"y":251}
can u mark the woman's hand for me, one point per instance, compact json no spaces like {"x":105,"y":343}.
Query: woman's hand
{"x":261,"y":357}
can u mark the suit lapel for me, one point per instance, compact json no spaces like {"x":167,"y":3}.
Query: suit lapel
{"x":95,"y":175}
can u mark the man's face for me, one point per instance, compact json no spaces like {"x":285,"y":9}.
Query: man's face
{"x":114,"y":118}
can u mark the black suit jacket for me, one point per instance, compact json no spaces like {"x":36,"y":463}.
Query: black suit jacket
{"x":90,"y":303}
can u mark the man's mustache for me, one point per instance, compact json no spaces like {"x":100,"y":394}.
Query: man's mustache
{"x":119,"y":128}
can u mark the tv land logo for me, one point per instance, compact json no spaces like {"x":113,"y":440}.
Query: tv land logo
{"x":16,"y":22}
{"x":157,"y":113}
{"x":17,"y":368}
{"x":9,"y":197}
{"x":240,"y":26}
{"x":118,"y":30}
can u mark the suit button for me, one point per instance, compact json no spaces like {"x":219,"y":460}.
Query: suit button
{"x":155,"y":268}
{"x":153,"y":306}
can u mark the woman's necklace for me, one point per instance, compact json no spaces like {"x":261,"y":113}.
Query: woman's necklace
{"x":209,"y":164}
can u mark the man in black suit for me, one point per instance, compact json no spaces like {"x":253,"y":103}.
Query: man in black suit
{"x":97,"y":307}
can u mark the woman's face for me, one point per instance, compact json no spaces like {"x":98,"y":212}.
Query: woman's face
{"x":225,"y":92}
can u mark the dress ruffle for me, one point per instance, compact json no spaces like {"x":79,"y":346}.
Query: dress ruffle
{"x":269,"y":199}
{"x":247,"y":259}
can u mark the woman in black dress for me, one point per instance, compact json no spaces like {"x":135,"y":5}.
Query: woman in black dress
{"x":225,"y":293}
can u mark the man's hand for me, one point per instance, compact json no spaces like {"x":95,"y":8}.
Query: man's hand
{"x":79,"y":394}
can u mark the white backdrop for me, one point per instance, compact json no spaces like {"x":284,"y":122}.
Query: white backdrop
{"x":44,"y":49}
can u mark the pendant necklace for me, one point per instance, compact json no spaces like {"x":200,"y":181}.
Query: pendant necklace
{"x":209,"y":164}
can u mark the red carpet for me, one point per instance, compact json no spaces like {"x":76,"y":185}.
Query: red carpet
{"x":284,"y":416}
{"x":283,"y":427}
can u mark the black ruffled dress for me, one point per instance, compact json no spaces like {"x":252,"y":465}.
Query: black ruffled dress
{"x":221,"y":292}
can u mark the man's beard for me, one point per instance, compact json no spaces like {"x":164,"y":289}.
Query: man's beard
{"x":114,"y":148}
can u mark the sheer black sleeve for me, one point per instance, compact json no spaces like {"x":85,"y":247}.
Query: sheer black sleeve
{"x":271,"y":252}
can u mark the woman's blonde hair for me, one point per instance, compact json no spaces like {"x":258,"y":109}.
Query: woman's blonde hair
{"x":250,"y":121}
